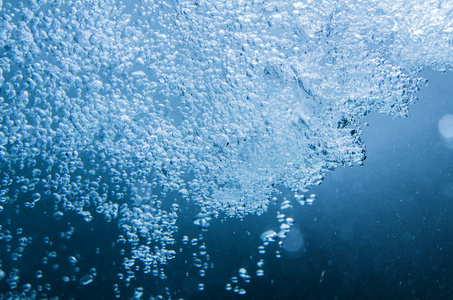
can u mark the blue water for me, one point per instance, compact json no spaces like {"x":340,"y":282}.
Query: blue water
{"x":225,"y":149}
{"x":386,"y":226}
{"x":379,"y":231}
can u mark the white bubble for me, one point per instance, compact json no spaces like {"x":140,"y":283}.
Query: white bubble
{"x":268,"y":236}
{"x":175,"y":207}
{"x":285,"y":205}
{"x":260,"y":264}
{"x":446,"y":126}
{"x":243,"y":273}
{"x":290,"y":221}
{"x":203,"y":250}
{"x":58,"y":215}
{"x":85,"y":280}
{"x":446,"y":130}
{"x":280,"y":217}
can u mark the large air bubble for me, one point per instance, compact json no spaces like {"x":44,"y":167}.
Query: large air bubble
{"x":446,"y":130}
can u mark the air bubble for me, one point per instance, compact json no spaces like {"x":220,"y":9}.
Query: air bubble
{"x":260,"y":263}
{"x":198,"y":263}
{"x":85,"y":280}
{"x":289,"y":221}
{"x":268,"y":236}
{"x":202,"y":220}
{"x":138,"y":292}
{"x":203,"y":250}
{"x":58,"y":215}
{"x":446,"y":126}
{"x":286,"y":205}
{"x":72,"y":260}
{"x":35,"y":197}
{"x":26,"y":287}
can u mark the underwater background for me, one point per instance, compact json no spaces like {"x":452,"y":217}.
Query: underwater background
{"x":226,"y":149}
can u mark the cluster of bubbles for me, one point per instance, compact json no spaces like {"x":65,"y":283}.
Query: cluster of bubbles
{"x":109,"y":108}
{"x":238,"y":282}
{"x":200,"y":259}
